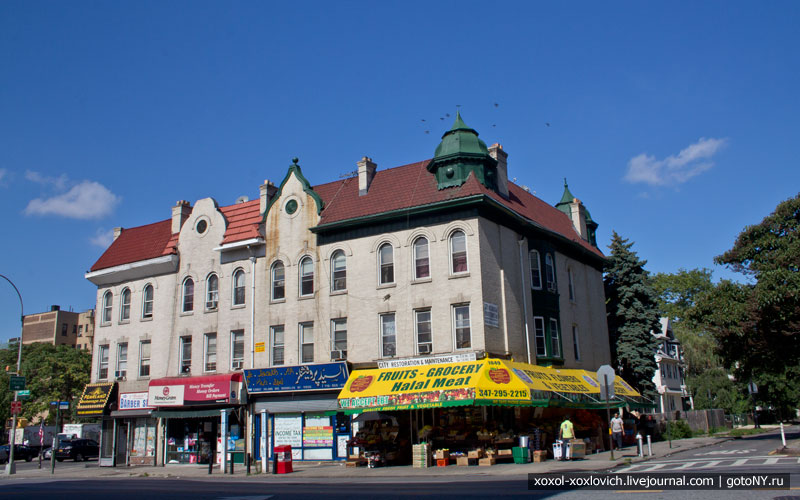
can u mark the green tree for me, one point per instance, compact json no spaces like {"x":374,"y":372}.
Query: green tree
{"x":757,"y":324}
{"x":52,"y":373}
{"x":632,"y":312}
{"x":678,"y":294}
{"x":714,"y":389}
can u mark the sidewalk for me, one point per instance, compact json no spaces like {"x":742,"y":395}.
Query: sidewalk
{"x":337,"y":472}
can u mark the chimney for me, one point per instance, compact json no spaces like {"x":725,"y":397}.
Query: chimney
{"x":180,"y":212}
{"x":267,"y":192}
{"x":496,"y":152}
{"x":55,"y":308}
{"x":117,"y":232}
{"x":578,"y":215}
{"x":366,"y":172}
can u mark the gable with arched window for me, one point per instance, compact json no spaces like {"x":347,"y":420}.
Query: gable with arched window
{"x":238,"y":287}
{"x":108,"y":300}
{"x":278,"y":281}
{"x":458,"y":252}
{"x":306,"y":276}
{"x":338,"y":271}
{"x":212,"y":292}
{"x":125,"y":305}
{"x":386,"y":264}
{"x":188,"y":295}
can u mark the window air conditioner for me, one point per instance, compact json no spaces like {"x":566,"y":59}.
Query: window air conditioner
{"x":237,"y":365}
{"x":186,"y":369}
{"x":120,"y":374}
{"x":338,"y":355}
{"x":425,"y":349}
{"x":211,"y":306}
{"x":551,"y":286}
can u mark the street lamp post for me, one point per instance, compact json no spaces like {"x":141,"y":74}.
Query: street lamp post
{"x":10,"y":466}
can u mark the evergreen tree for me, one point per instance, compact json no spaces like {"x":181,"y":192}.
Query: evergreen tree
{"x":632,"y":312}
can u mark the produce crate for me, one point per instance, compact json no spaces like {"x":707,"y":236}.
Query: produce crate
{"x":475,"y":454}
{"x":421,"y":456}
{"x":486,"y":461}
{"x":442,"y":462}
{"x":464,"y":461}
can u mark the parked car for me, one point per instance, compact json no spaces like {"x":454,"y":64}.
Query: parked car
{"x":47,"y":453}
{"x":21,"y":452}
{"x":78,"y":450}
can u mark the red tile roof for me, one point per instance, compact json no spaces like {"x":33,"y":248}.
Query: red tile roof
{"x":391,"y":189}
{"x":137,"y":243}
{"x":413,"y":186}
{"x":243,"y":221}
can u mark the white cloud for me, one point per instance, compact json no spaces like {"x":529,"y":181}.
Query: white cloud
{"x":86,"y":200}
{"x":676,"y":169}
{"x":102,"y":238}
{"x":59,"y":183}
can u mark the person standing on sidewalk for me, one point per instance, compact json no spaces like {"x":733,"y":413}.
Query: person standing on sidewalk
{"x":617,"y":429}
{"x":567,"y":430}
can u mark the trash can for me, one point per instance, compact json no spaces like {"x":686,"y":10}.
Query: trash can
{"x":524,"y":441}
{"x":283,"y":459}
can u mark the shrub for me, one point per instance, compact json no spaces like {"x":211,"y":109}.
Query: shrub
{"x":679,"y":429}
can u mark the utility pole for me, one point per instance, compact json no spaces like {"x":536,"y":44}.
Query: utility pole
{"x":11,"y":467}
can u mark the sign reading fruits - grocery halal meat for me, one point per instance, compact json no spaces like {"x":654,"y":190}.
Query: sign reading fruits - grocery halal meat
{"x":453,"y":384}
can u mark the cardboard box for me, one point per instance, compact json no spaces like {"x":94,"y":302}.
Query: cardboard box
{"x":475,"y":454}
{"x":504,"y":453}
{"x":486,"y":461}
{"x":464,"y":461}
{"x":539,"y":456}
{"x":441,"y":455}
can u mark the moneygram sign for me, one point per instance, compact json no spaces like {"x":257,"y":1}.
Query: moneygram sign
{"x":165,"y":395}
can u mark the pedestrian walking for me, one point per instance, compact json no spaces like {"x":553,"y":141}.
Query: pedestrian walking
{"x":617,"y":430}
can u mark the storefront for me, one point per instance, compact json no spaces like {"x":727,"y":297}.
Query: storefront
{"x":196,"y":415}
{"x":97,"y":401}
{"x":135,"y":435}
{"x":482,"y":404}
{"x":298,"y":406}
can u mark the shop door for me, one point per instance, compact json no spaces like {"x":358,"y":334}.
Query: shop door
{"x":107,"y":443}
{"x":122,"y":443}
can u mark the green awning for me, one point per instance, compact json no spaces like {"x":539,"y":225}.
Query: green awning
{"x":186,"y":413}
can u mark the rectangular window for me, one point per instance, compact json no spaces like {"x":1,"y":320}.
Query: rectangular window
{"x":186,"y":355}
{"x":122,"y":360}
{"x":550,"y":272}
{"x":237,"y":349}
{"x":80,"y":328}
{"x":64,"y":329}
{"x":422,"y":326}
{"x":102,"y":369}
{"x":555,"y":339}
{"x":536,"y":269}
{"x":74,"y":329}
{"x":339,"y":335}
{"x":306,"y":342}
{"x":211,"y":352}
{"x":144,"y":358}
{"x":388,"y":336}
{"x":538,"y":329}
{"x":278,"y":281}
{"x":571,"y":285}
{"x":462,"y":327}
{"x":147,"y":302}
{"x":276,"y":334}
{"x":575,"y":346}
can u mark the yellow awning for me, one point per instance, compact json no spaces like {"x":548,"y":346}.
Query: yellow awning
{"x":481,"y":382}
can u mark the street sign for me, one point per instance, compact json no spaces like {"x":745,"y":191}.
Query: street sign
{"x":16,"y":407}
{"x":606,"y":375}
{"x":16,"y":383}
{"x":63,"y":405}
{"x":24,"y":394}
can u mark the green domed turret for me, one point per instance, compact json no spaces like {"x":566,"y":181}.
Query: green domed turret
{"x":460,"y":153}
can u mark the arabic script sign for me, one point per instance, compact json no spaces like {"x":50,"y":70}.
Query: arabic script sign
{"x":296,"y":378}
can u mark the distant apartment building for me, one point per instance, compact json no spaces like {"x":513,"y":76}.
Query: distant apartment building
{"x":59,"y":327}
{"x":669,"y":376}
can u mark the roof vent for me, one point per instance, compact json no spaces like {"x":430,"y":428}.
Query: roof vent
{"x":242,"y":199}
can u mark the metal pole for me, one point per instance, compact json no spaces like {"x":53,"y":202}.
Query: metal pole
{"x":608,"y":416}
{"x":11,"y":467}
{"x":783,"y":436}
{"x":649,"y":447}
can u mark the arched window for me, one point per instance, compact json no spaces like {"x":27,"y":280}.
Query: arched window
{"x":278,"y":281}
{"x":422,"y":268}
{"x":536,"y":269}
{"x":125,"y":305}
{"x":338,"y":271}
{"x":147,"y":301}
{"x":238,"y":287}
{"x":386,"y":262}
{"x":108,"y":299}
{"x":188,"y":295}
{"x":212,"y":292}
{"x":458,"y":252}
{"x":306,"y":277}
{"x":550,"y":272}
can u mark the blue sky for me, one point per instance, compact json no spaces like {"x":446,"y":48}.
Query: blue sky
{"x":674,"y":122}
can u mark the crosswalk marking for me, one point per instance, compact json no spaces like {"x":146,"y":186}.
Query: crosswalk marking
{"x":712,"y":463}
{"x":771,"y":461}
{"x":741,"y":461}
{"x":681,"y":465}
{"x":654,"y":467}
{"x":686,"y":465}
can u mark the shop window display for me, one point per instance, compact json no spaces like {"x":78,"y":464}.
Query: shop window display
{"x":188,"y":441}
